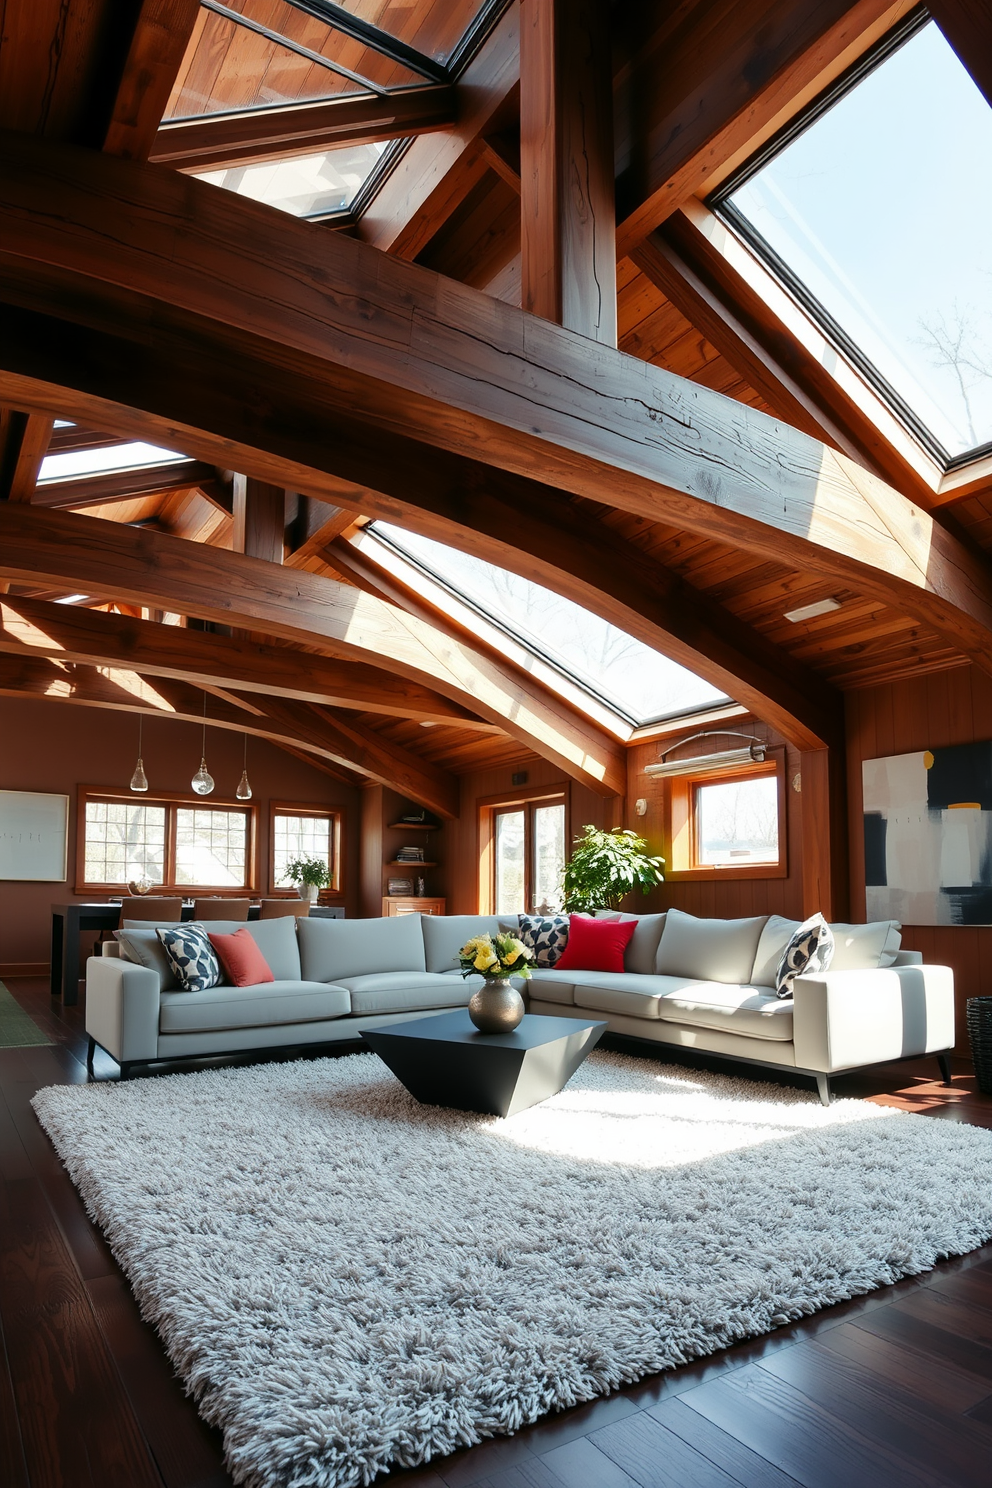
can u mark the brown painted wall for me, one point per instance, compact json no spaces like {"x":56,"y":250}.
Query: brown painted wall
{"x":51,"y":746}
{"x":727,"y":898}
{"x":947,"y":708}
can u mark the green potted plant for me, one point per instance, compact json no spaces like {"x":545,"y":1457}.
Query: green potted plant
{"x":605,"y":866}
{"x":310,"y":875}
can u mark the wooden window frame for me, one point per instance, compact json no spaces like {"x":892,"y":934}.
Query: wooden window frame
{"x":682,"y":865}
{"x":525,"y":799}
{"x":172,"y":801}
{"x":335,"y":890}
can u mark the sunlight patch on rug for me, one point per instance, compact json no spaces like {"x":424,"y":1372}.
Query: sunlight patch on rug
{"x":348,"y":1281}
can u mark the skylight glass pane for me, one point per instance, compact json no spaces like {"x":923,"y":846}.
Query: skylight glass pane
{"x":307,"y":186}
{"x":105,"y":458}
{"x":882,"y":210}
{"x":434,"y":30}
{"x":628,"y":676}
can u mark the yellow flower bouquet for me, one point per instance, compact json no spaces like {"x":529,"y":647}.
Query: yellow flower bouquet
{"x":495,"y":957}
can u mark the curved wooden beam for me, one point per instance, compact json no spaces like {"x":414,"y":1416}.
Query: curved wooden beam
{"x":144,"y":567}
{"x":35,"y":628}
{"x":168,"y":264}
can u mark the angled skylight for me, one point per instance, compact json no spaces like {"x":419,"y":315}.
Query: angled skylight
{"x":878,"y":215}
{"x":638,"y":683}
{"x":103,"y":459}
{"x":306,"y":185}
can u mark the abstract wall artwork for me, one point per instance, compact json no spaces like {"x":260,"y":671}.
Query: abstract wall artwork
{"x":33,"y":835}
{"x":928,"y":836}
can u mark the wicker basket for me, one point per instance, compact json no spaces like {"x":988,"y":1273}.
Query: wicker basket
{"x":980,"y":1037}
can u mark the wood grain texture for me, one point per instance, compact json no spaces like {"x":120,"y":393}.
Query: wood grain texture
{"x":148,"y":568}
{"x":568,"y":262}
{"x":41,"y":628}
{"x":506,"y":388}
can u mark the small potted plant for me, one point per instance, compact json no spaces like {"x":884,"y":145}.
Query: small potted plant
{"x":310,"y":875}
{"x":605,"y":866}
{"x":497,"y":1006}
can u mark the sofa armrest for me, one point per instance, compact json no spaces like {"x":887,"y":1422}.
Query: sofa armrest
{"x":122,"y":1005}
{"x":846,"y":1019}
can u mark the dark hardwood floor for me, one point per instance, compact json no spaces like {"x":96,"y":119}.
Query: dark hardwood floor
{"x":891,"y":1389}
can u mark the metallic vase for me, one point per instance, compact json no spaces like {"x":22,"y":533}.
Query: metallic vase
{"x":496,"y":1007}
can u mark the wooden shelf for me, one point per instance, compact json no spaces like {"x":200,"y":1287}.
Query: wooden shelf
{"x":395,"y":864}
{"x":414,"y":827}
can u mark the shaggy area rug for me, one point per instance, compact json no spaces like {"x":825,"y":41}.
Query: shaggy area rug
{"x":347,"y":1281}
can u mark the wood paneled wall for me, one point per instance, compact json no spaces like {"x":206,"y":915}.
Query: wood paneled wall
{"x":51,"y":746}
{"x":730,"y":898}
{"x":953,"y":707}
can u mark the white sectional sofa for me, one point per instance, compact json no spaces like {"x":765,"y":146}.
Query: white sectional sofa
{"x":704,"y":985}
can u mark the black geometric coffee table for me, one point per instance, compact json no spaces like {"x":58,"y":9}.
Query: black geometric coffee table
{"x":445,"y":1061}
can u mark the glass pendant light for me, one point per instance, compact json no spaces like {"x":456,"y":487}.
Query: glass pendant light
{"x":139,"y":780}
{"x":203,"y":781}
{"x":243,"y":791}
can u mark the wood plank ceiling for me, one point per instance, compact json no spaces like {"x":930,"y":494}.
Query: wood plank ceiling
{"x":696,"y":87}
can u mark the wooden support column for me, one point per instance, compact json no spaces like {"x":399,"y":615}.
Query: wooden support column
{"x":259,"y":519}
{"x":568,"y":222}
{"x":23,"y":443}
{"x":822,"y":801}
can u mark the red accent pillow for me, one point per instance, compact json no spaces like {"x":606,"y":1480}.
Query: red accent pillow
{"x":241,"y":959}
{"x":595,"y":945}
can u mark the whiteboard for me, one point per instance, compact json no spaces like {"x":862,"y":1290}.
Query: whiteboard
{"x":33,"y":835}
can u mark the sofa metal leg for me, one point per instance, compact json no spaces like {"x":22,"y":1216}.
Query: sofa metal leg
{"x":823,"y":1086}
{"x":90,"y":1051}
{"x":126,"y":1069}
{"x":945,"y":1069}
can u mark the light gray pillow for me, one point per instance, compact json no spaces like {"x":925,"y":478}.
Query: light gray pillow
{"x":863,"y":947}
{"x":444,"y":936}
{"x":771,"y":948}
{"x":332,"y":949}
{"x":708,"y":950}
{"x":641,"y":951}
{"x":140,"y":943}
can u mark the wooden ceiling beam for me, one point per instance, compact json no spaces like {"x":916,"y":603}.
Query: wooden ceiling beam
{"x":742,"y":290}
{"x":259,"y":519}
{"x":220,"y":141}
{"x":161,"y":34}
{"x":713,"y":81}
{"x":41,"y":628}
{"x":240,"y":299}
{"x":433,"y":175}
{"x":122,"y":485}
{"x":24,"y":441}
{"x":315,"y":525}
{"x":568,"y":225}
{"x":149,"y":568}
{"x":967,"y":25}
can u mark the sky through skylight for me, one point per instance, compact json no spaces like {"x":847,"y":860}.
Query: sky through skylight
{"x":633,"y":679}
{"x":882,"y":208}
{"x":307,"y":185}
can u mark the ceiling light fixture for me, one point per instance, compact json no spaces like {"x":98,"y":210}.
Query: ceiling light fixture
{"x":203,"y":781}
{"x":139,"y":780}
{"x":243,"y":791}
{"x":810,"y":611}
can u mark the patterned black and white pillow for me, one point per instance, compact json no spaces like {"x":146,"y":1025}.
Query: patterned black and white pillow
{"x":191,"y":956}
{"x":545,"y":935}
{"x":810,"y":949}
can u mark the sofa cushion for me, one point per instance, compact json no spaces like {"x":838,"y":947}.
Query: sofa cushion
{"x":405,"y":991}
{"x":595,"y":945}
{"x":241,"y":960}
{"x":708,"y":950}
{"x":856,"y":947}
{"x":642,"y":949}
{"x":753,"y":1012}
{"x":864,"y":947}
{"x":191,"y":956}
{"x":267,"y":1005}
{"x":444,"y":936}
{"x":550,"y":985}
{"x":276,"y":939}
{"x":331,"y":950}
